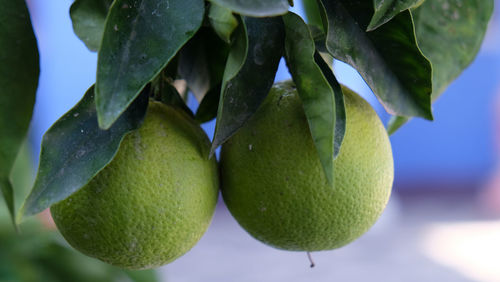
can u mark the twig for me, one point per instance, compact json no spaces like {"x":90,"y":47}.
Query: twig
{"x":310,"y":259}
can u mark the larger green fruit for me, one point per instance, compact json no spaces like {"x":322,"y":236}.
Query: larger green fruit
{"x":153,"y":202}
{"x":273,"y":182}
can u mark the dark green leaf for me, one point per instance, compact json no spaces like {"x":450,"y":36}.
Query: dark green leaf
{"x":140,"y":38}
{"x":455,"y":25}
{"x":387,"y":58}
{"x":315,"y":91}
{"x":165,"y":92}
{"x":249,"y":75}
{"x":75,"y":149}
{"x":19,"y":70}
{"x":223,"y":21}
{"x":88,"y":17}
{"x":256,"y":8}
{"x":208,"y":106}
{"x":387,"y":9}
{"x":202,"y":61}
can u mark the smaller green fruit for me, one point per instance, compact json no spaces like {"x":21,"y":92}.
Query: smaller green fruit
{"x":153,"y":202}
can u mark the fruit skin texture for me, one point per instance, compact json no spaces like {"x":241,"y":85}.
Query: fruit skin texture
{"x":153,"y":202}
{"x":274,"y":185}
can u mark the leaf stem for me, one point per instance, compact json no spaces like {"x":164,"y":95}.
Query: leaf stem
{"x":309,"y":256}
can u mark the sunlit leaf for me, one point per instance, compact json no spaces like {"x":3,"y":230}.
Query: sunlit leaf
{"x":312,"y":12}
{"x":223,"y":21}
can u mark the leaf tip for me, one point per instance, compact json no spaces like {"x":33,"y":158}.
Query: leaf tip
{"x":105,"y":115}
{"x":395,"y":123}
{"x":429,"y":116}
{"x":104,"y":120}
{"x":6,"y":190}
{"x":373,"y":25}
{"x":15,"y":222}
{"x":391,"y":130}
{"x":329,"y":177}
{"x":27,"y":209}
{"x":212,"y":150}
{"x":20,"y":215}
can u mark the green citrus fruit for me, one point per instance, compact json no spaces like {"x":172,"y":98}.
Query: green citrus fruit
{"x":275,"y":187}
{"x":153,"y":202}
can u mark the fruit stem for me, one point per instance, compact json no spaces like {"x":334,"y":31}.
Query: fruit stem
{"x":310,"y":259}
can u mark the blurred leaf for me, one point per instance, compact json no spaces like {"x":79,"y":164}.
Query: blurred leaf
{"x":315,"y":91}
{"x":387,"y":58}
{"x":75,"y":149}
{"x":19,"y":70}
{"x":37,"y":255}
{"x":22,"y":173}
{"x":140,"y":38}
{"x":387,"y":9}
{"x":8,"y":195}
{"x":223,"y":21}
{"x":142,"y":275}
{"x":456,"y":25}
{"x":88,"y":18}
{"x":21,"y":177}
{"x":202,"y":61}
{"x":209,"y":105}
{"x":249,"y":75}
{"x":256,"y":8}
